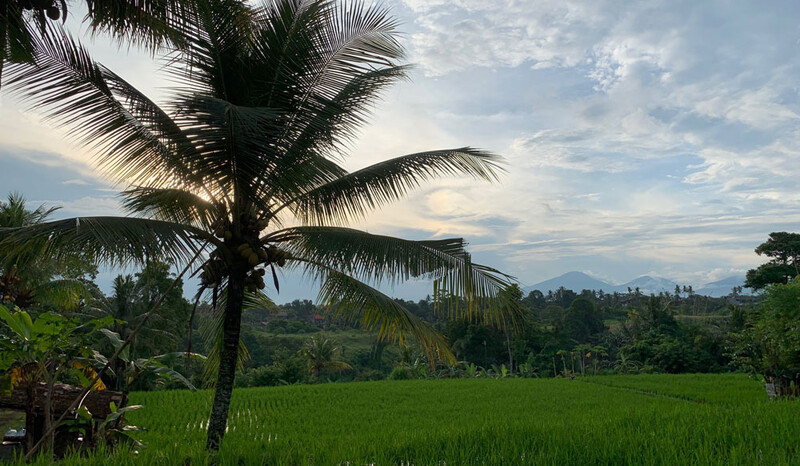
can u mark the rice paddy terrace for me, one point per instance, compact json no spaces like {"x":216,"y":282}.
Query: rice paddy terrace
{"x":654,"y":419}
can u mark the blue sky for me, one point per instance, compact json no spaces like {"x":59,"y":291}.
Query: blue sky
{"x":648,"y":137}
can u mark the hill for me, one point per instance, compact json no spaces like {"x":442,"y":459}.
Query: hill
{"x":722,"y":287}
{"x":578,"y":281}
{"x":575,"y":281}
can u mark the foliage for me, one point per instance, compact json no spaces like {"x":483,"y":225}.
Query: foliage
{"x":770,"y":343}
{"x":44,"y":347}
{"x":28,"y":279}
{"x":321,"y":356}
{"x":42,"y":351}
{"x":783,"y":249}
{"x":129,"y":21}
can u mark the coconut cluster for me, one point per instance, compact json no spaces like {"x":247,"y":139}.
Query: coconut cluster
{"x":49,"y":7}
{"x":251,"y":249}
{"x":260,"y":254}
{"x":216,"y":269}
{"x":255,"y":280}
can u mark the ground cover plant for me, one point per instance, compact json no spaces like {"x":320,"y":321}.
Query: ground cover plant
{"x":658,"y":419}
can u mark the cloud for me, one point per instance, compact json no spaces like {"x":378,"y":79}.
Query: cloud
{"x":76,"y":181}
{"x":641,"y":137}
{"x":85,"y":206}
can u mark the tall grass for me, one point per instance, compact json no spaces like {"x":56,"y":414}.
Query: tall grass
{"x":699,"y":419}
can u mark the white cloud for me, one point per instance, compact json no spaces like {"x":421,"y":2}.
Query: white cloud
{"x":651,"y":136}
{"x":76,"y":181}
{"x":86,"y":206}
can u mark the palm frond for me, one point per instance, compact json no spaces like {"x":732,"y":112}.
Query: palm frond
{"x":13,"y":213}
{"x":113,"y":240}
{"x":355,"y":50}
{"x":216,"y":34}
{"x":84,"y":96}
{"x":16,"y":35}
{"x":65,"y":293}
{"x":353,"y":195}
{"x":357,"y":301}
{"x":462,"y":289}
{"x":305,"y":162}
{"x":149,"y":24}
{"x":232,"y":141}
{"x":172,"y":205}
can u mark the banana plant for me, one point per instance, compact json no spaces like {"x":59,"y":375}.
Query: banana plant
{"x":41,"y":351}
{"x":134,"y":368}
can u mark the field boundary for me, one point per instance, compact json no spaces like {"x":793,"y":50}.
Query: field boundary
{"x":640,"y":391}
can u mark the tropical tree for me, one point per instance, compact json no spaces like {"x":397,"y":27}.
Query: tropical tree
{"x":769,"y":345}
{"x":28,"y":280}
{"x":242,"y":167}
{"x":128,"y":304}
{"x":322,"y":356}
{"x":783,"y":249}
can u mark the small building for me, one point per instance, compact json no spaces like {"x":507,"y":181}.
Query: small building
{"x":98,"y":403}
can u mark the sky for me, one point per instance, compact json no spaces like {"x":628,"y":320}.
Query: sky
{"x":640,"y":138}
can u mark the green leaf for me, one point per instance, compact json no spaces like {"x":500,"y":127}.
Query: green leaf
{"x":19,"y":322}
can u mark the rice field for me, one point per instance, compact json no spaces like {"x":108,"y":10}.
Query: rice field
{"x":656,"y":419}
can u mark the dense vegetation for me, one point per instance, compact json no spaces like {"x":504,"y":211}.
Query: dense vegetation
{"x":659,"y":419}
{"x":565,"y":334}
{"x":238,"y":174}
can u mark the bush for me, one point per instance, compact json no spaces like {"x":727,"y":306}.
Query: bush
{"x":401,"y":373}
{"x":770,"y":345}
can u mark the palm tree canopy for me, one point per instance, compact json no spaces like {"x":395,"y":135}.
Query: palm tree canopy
{"x":243,"y":162}
{"x":146,"y":23}
{"x":267,"y":98}
{"x":244,"y":159}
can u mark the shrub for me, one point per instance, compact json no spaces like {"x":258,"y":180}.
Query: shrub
{"x":401,"y":373}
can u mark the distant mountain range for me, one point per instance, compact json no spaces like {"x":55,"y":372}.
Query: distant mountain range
{"x":578,"y":281}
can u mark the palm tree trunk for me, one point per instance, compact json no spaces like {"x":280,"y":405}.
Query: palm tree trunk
{"x":229,"y":353}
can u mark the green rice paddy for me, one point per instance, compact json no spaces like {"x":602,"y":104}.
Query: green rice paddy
{"x":656,"y":419}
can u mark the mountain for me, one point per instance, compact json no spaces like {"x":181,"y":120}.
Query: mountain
{"x":723,"y":287}
{"x":648,"y":285}
{"x":576,"y":281}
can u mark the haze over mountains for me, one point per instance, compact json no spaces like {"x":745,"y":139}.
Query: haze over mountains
{"x":577,"y":281}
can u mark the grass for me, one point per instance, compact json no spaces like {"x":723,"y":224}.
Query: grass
{"x":658,"y":419}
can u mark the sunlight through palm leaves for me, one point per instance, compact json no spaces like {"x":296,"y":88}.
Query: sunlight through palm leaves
{"x":244,"y":160}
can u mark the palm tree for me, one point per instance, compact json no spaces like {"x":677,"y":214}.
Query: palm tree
{"x":128,"y":305}
{"x":321,"y":356}
{"x":27,"y":280}
{"x":242,"y":164}
{"x":136,"y":22}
